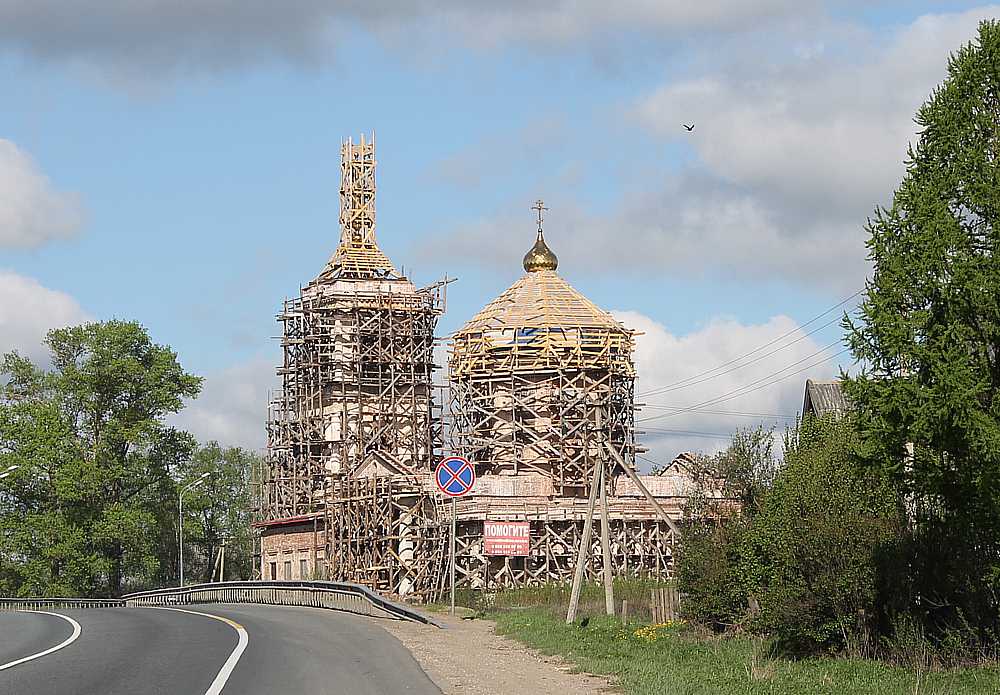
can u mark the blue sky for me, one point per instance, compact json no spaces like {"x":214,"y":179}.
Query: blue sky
{"x":183,"y":169}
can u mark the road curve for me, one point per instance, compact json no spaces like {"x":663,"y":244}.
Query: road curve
{"x":147,"y":650}
{"x":26,"y":636}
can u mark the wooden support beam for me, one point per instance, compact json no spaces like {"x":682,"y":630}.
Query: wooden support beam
{"x":581,"y":558}
{"x":609,"y":586}
{"x":644,"y":490}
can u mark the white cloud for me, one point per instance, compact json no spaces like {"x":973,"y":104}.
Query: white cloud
{"x":808,"y":148}
{"x":507,"y":154}
{"x":689,"y":227}
{"x":827,"y":133}
{"x":232,"y":406}
{"x":32,"y":212}
{"x":795,"y":144}
{"x":679,"y":371}
{"x":573,"y":20}
{"x":28,"y":310}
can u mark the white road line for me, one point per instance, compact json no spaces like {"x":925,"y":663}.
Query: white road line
{"x":70,"y":640}
{"x":227,"y":668}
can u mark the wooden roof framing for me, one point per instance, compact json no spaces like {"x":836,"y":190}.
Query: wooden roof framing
{"x":541,"y":322}
{"x":358,"y":255}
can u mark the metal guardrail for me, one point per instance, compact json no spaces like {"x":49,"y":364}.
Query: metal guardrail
{"x":342,"y":596}
{"x":31,"y":604}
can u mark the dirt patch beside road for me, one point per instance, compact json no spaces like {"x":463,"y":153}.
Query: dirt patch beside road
{"x":469,"y":658}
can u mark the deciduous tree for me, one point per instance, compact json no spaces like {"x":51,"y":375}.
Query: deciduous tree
{"x":94,"y":457}
{"x":219,"y":510}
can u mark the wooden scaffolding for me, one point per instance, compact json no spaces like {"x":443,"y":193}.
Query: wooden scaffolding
{"x":541,"y":394}
{"x":354,"y":428}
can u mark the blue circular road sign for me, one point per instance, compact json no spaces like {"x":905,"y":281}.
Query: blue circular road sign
{"x":455,"y":476}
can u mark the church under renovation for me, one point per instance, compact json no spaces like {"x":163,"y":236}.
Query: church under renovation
{"x":539,"y":398}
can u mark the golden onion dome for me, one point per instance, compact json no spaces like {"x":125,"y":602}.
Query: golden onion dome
{"x":540,"y":257}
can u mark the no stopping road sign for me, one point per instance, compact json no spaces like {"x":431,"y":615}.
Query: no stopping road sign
{"x":455,"y":476}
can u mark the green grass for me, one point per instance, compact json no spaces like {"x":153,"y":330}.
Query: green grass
{"x":555,"y":597}
{"x":674,"y":662}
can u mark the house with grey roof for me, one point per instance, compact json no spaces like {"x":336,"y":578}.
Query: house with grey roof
{"x":824,"y":398}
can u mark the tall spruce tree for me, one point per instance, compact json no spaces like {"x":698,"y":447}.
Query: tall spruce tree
{"x":929,"y":334}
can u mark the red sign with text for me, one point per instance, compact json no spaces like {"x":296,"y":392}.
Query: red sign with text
{"x":506,"y":537}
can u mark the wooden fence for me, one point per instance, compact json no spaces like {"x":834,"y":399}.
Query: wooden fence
{"x":664,"y":604}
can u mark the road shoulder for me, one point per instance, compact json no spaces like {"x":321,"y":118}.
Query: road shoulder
{"x":469,"y":658}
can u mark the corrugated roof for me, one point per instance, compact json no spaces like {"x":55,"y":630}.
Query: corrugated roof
{"x":824,"y":398}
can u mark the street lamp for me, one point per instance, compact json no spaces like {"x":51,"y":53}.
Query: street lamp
{"x":8,"y":471}
{"x":180,"y":519}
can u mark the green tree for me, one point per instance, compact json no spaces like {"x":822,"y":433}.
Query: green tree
{"x":929,"y":335}
{"x":219,"y":511}
{"x":41,"y":550}
{"x":83,"y":510}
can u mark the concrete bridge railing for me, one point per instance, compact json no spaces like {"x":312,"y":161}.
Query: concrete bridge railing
{"x":340,"y":596}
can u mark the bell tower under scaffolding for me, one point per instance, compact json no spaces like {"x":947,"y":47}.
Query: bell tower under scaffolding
{"x":355,"y":428}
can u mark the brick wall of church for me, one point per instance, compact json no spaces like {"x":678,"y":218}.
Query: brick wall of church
{"x":294,"y":552}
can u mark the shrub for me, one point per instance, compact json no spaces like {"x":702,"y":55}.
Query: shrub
{"x":709,"y":573}
{"x":711,"y":567}
{"x":817,"y":540}
{"x":938,"y":584}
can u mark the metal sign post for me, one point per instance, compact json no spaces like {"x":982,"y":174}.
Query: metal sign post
{"x":454,"y":524}
{"x":455,"y":477}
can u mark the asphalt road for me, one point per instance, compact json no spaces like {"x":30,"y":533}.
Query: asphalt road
{"x":157,"y":651}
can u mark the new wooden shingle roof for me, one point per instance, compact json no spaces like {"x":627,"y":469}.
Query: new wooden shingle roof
{"x":541,"y":323}
{"x":540,"y":299}
{"x":357,"y":260}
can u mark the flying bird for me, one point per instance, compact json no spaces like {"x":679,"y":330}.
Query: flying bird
{"x":687,"y":127}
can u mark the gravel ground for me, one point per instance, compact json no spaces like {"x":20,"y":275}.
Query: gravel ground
{"x":469,"y":658}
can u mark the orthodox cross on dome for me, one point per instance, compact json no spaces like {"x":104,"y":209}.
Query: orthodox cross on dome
{"x":539,"y":206}
{"x":540,"y":256}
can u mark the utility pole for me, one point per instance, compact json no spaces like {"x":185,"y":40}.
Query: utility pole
{"x":581,"y":556}
{"x":609,"y":584}
{"x":180,"y":520}
{"x":454,"y":525}
{"x":588,"y":530}
{"x":657,"y":507}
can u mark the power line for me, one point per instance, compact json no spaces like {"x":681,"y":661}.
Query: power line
{"x":746,"y":389}
{"x":690,"y":383}
{"x":704,"y":411}
{"x":768,"y":344}
{"x":649,"y":460}
{"x":763,"y":378}
{"x":690,"y":433}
